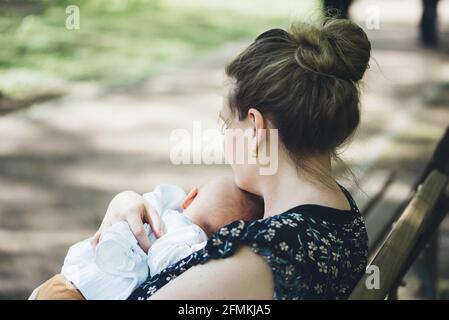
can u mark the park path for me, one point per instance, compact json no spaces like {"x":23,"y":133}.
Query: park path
{"x":62,"y":161}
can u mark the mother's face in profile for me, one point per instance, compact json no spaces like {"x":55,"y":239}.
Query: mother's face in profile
{"x":239,"y":147}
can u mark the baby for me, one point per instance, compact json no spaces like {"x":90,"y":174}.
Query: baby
{"x":118,"y":265}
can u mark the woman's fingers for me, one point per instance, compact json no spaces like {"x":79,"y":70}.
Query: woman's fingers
{"x":152,"y":217}
{"x":130,"y":206}
{"x":136,"y":225}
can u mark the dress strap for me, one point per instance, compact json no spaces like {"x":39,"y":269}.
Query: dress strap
{"x":349,"y":197}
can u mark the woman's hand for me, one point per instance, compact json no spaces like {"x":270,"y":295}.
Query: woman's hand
{"x":130,"y":206}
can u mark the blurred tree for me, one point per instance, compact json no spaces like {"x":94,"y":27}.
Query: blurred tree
{"x":428,"y":25}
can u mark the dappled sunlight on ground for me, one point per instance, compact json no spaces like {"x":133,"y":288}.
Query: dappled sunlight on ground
{"x":63,"y":160}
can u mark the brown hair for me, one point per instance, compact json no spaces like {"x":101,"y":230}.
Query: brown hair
{"x":305,"y":81}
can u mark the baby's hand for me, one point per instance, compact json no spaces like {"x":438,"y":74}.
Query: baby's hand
{"x":130,"y":206}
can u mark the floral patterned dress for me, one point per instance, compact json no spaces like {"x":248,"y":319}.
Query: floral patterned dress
{"x":315,"y":252}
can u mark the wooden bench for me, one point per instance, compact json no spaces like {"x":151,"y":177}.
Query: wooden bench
{"x":394,"y":254}
{"x":380,"y":213}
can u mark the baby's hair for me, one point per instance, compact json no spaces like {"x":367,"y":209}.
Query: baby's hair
{"x":252,"y":205}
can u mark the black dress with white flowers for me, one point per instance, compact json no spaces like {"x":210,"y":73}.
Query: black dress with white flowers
{"x":315,"y":252}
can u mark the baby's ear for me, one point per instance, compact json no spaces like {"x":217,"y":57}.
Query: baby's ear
{"x":189,"y":198}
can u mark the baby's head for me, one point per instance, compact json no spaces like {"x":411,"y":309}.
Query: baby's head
{"x":220,"y":202}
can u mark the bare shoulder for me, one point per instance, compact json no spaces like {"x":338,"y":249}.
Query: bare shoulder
{"x":244,"y":275}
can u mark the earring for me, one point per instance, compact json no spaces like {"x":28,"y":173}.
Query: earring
{"x":256,"y":149}
{"x":255,"y":153}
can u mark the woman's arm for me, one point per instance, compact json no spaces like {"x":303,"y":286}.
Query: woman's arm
{"x":245,"y":275}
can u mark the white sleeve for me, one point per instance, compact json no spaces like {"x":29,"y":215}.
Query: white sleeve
{"x":165,"y":197}
{"x":175,"y":246}
{"x":34,"y":294}
{"x":79,"y":254}
{"x":173,"y":253}
{"x":118,"y":252}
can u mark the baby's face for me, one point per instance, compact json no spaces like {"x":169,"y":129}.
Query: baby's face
{"x":220,"y":202}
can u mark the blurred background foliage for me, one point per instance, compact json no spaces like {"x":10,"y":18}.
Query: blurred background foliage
{"x":122,"y":42}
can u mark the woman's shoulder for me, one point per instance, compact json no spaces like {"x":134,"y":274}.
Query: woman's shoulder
{"x":297,"y":222}
{"x":290,"y":236}
{"x":275,"y":238}
{"x":270,"y":229}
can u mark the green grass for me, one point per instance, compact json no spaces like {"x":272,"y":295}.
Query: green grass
{"x":122,"y":42}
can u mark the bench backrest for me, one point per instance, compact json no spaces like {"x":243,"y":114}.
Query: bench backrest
{"x":384,"y":208}
{"x":393,"y":253}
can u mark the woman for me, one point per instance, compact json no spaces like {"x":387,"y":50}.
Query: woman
{"x":311,"y":242}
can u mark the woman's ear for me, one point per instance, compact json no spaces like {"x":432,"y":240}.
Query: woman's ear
{"x":259,"y":126}
{"x":189,"y":198}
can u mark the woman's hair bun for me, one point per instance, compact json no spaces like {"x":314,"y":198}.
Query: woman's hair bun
{"x":337,"y":48}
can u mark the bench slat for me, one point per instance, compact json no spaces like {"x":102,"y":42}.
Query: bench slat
{"x":380,"y":218}
{"x":398,"y":245}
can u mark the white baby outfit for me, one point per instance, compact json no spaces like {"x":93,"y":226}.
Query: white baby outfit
{"x":119,"y":265}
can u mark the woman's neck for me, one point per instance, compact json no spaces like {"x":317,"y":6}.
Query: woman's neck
{"x":291,"y":187}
